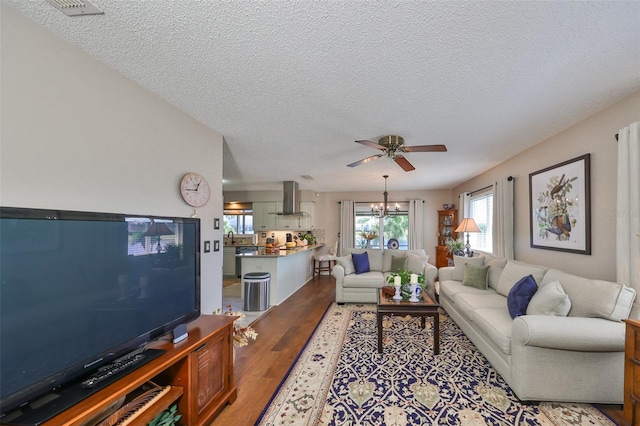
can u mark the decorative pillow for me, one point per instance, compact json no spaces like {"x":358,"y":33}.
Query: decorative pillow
{"x":550,"y":299}
{"x":460,"y":261}
{"x":513,"y":271}
{"x":476,"y":276}
{"x":416,"y":264}
{"x":360,"y":262}
{"x":347,"y":263}
{"x":398,"y":263}
{"x":520,"y":295}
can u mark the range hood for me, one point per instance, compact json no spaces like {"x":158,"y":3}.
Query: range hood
{"x":290,"y":199}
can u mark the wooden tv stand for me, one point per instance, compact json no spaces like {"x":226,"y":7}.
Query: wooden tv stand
{"x":199,"y":369}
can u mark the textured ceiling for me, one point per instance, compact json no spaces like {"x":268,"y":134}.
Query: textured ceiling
{"x":292,"y":84}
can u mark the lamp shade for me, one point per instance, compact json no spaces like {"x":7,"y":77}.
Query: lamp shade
{"x":157,"y":229}
{"x":468,"y":225}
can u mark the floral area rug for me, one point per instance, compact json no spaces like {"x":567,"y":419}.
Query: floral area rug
{"x":340,"y":379}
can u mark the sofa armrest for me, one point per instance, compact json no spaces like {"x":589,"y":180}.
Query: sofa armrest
{"x":569,"y":333}
{"x":338,"y":272}
{"x":430,"y":274}
{"x":445,"y":273}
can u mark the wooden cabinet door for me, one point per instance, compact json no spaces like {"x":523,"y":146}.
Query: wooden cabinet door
{"x":210,"y":376}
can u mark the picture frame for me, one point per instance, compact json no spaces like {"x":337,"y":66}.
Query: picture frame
{"x":560,"y":206}
{"x":216,"y":223}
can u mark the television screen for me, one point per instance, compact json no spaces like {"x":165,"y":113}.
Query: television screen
{"x":80,"y":289}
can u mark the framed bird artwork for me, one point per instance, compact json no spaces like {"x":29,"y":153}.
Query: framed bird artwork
{"x":560,"y":206}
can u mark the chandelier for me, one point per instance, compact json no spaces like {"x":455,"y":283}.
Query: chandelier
{"x":383,"y":209}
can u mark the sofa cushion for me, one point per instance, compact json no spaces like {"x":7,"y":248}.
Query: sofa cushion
{"x":398,"y":263}
{"x":514,"y":271}
{"x":360,"y":262}
{"x":594,"y":298}
{"x":496,"y":266}
{"x":520,"y":295}
{"x":550,"y":299}
{"x":450,"y":289}
{"x":460,"y":261}
{"x":468,"y":303}
{"x":475,"y":276}
{"x":496,"y":324}
{"x":372,"y":279}
{"x":347,"y":263}
{"x":416,"y":264}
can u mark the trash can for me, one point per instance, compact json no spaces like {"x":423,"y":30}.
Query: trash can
{"x":256,"y":291}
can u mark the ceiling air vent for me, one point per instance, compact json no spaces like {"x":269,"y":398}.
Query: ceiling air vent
{"x":75,"y":7}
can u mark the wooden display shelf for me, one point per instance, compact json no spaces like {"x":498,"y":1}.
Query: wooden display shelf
{"x":202,"y":385}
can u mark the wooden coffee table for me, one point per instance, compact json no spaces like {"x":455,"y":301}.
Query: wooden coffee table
{"x":426,"y":307}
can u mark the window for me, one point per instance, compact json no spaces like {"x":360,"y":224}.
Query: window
{"x":382,"y":230}
{"x":481,"y":210}
{"x":147,"y":237}
{"x":238,"y":218}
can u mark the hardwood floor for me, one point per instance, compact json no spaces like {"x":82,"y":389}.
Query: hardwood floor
{"x":282,"y":332}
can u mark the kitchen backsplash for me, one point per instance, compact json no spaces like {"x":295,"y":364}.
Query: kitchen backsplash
{"x":281,"y":236}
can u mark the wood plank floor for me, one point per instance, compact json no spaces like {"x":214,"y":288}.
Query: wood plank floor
{"x":282,"y":332}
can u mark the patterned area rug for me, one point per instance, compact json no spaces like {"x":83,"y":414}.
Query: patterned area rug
{"x":340,"y":379}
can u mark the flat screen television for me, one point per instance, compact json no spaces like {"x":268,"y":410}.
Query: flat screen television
{"x":79,"y":290}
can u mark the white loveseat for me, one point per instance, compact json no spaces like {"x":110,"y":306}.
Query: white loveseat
{"x":363,"y":287}
{"x":569,"y":344}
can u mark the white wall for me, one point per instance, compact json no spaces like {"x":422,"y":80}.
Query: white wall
{"x":594,"y":135}
{"x":77,"y":135}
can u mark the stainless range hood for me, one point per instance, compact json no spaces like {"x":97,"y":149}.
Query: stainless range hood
{"x":290,"y":199}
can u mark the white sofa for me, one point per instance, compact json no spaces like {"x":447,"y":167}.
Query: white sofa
{"x":547,"y":354}
{"x":362,"y":288}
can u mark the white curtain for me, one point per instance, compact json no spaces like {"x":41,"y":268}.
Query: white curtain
{"x":347,"y":213}
{"x":628,"y":207}
{"x":416,"y":224}
{"x":503,"y":218}
{"x":464,"y":201}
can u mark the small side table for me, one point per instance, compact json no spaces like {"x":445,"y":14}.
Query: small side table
{"x":631,"y":410}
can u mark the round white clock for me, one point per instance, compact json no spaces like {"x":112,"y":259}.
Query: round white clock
{"x":195,"y":189}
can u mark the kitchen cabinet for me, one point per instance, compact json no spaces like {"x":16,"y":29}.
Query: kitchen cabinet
{"x":298,"y":223}
{"x":306,"y":222}
{"x":229,"y":261}
{"x":264,"y":217}
{"x":447,"y":223}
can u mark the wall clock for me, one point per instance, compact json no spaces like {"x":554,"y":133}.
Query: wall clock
{"x":195,"y":189}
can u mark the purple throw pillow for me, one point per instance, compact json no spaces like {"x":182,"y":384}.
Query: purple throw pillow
{"x":520,"y":295}
{"x":360,"y":262}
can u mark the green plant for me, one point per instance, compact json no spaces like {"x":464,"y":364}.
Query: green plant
{"x":173,"y":251}
{"x":405,"y":277}
{"x":168,"y":417}
{"x":455,"y":246}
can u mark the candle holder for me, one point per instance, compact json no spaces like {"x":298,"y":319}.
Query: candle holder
{"x":397,"y":296}
{"x":413,"y":297}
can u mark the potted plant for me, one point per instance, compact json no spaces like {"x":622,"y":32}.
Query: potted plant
{"x":405,"y":280}
{"x":455,"y":247}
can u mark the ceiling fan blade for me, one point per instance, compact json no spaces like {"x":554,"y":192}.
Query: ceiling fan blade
{"x":404,"y":163}
{"x":365,"y":160}
{"x":425,"y":148}
{"x":371,"y":144}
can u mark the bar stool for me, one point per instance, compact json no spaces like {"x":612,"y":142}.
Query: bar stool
{"x":324,"y":262}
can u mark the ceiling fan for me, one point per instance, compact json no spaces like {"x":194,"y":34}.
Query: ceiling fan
{"x":392,"y":145}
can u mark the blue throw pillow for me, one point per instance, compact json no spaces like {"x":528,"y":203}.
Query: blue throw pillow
{"x":360,"y":262}
{"x":520,"y":295}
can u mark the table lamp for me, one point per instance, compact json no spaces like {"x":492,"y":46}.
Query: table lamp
{"x":468,"y":225}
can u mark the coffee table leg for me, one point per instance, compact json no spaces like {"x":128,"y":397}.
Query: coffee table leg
{"x":436,"y":334}
{"x":379,"y":332}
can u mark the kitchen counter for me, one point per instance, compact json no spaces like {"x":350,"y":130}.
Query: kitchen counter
{"x":262,"y":251}
{"x":290,"y":269}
